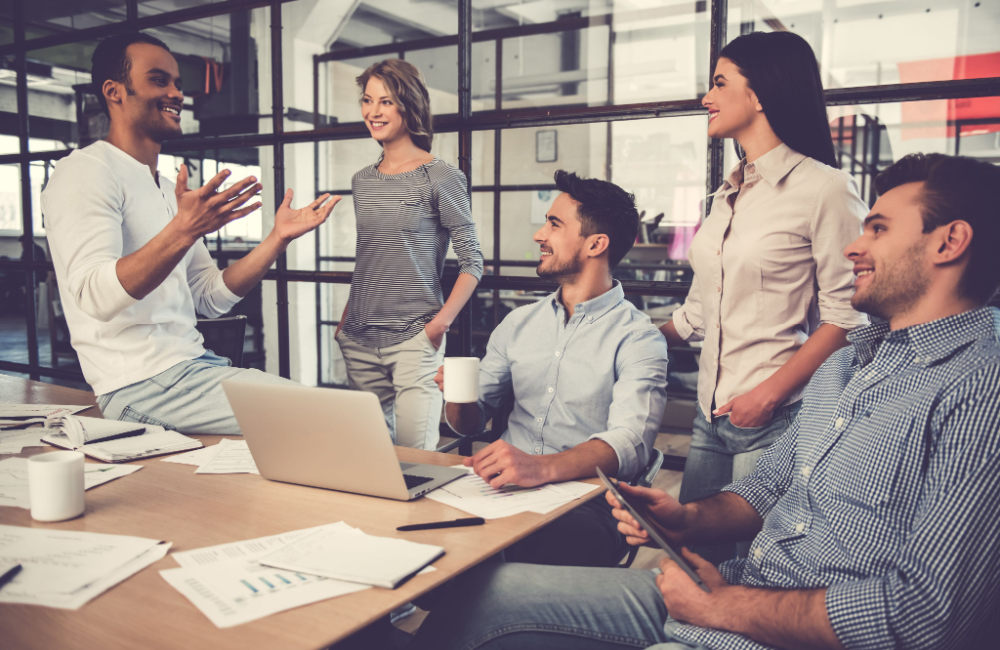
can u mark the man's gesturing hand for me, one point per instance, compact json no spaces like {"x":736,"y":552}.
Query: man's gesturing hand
{"x":291,"y":224}
{"x":205,"y":210}
{"x":502,"y":463}
{"x":663,"y":509}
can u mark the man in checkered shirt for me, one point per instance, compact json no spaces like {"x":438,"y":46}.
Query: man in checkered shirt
{"x":875,"y":519}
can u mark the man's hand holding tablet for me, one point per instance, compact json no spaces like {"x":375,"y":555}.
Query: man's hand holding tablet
{"x":664,"y":511}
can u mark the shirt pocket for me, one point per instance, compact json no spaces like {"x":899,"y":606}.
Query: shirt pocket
{"x":865,"y":465}
{"x":414,"y":214}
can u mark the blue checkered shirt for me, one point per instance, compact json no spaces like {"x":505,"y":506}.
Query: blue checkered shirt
{"x":886,"y":490}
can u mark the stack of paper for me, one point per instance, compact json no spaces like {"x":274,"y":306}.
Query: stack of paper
{"x":35,"y":412}
{"x":66,"y":569}
{"x":15,"y":440}
{"x":14,"y":479}
{"x":473,"y":495}
{"x":349,"y":554}
{"x":228,"y":457}
{"x":230,"y":586}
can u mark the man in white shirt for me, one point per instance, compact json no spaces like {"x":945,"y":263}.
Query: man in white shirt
{"x":128,"y":251}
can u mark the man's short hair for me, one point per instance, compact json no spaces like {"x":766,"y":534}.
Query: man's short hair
{"x":604,"y":208}
{"x":110,"y":61}
{"x":957,"y":188}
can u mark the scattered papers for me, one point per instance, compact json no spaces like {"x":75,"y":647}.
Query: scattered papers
{"x":230,"y":457}
{"x":348,"y":554}
{"x":229,"y":586}
{"x":196,"y":457}
{"x":13,"y":442}
{"x":66,"y":569}
{"x":15,"y":411}
{"x":19,"y":424}
{"x":473,"y":495}
{"x":14,"y":480}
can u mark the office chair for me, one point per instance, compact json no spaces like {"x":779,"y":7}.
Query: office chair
{"x":224,"y":336}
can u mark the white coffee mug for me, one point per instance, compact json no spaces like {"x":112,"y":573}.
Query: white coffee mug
{"x":55,"y":483}
{"x":461,"y":380}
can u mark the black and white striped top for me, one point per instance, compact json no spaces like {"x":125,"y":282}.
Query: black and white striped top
{"x":405,"y":222}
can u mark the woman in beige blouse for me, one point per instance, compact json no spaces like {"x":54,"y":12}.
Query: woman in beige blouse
{"x":771,"y":293}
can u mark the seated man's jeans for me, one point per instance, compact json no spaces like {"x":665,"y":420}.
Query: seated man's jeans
{"x":187,"y":397}
{"x":585,"y":536}
{"x":527,"y":607}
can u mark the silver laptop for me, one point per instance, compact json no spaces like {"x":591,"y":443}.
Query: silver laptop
{"x":328,"y":438}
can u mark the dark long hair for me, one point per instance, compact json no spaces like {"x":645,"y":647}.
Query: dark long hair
{"x":781,"y":68}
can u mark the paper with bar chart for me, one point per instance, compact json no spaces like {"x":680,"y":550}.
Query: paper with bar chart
{"x":231,"y":587}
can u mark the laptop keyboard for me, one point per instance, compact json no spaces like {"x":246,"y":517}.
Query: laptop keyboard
{"x":413,"y":481}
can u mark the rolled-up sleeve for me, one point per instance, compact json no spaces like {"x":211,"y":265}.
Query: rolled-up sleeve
{"x":451,"y":196}
{"x":212,"y":298}
{"x":837,"y":222}
{"x":85,"y":230}
{"x":495,"y":379}
{"x":688,"y":319}
{"x":637,"y":402}
{"x":943,"y":584}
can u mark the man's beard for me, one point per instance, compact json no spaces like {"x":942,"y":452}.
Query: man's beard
{"x":895,"y":289}
{"x":157,"y":130}
{"x":568,"y":269}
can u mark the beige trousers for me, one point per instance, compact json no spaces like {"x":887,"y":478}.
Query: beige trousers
{"x":402,"y":376}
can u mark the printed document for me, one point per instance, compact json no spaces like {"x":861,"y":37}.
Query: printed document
{"x":21,"y":411}
{"x":66,"y":569}
{"x":14,"y":441}
{"x":230,"y":457}
{"x":14,"y":479}
{"x":197,"y":457}
{"x":354,"y":556}
{"x":229,"y":586}
{"x":475,"y":496}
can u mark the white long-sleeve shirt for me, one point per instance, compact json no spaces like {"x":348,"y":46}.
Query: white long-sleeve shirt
{"x":100,"y":205}
{"x":769,"y":269}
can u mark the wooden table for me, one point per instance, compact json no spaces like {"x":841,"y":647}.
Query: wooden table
{"x":168,"y":501}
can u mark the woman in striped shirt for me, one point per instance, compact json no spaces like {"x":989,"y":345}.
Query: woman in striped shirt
{"x":408,"y":205}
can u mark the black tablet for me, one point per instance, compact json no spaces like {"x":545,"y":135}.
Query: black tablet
{"x":655,"y":536}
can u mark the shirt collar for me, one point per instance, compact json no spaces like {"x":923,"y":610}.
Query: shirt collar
{"x":772,"y":167}
{"x":777,"y":163}
{"x":595,"y":307}
{"x":933,"y":341}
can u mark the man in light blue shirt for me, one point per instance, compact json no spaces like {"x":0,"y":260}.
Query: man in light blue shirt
{"x":587,"y":372}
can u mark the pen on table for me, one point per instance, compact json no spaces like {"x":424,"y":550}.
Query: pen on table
{"x":103,"y":469}
{"x":454,"y":523}
{"x":9,"y":574}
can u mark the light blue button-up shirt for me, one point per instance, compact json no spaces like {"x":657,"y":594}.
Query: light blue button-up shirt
{"x":601,"y":375}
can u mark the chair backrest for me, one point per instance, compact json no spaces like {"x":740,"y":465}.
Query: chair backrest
{"x":224,"y":336}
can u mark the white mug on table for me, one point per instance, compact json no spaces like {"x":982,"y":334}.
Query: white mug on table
{"x":55,"y":484}
{"x":461,"y":380}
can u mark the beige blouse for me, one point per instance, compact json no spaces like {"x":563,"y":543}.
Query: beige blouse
{"x":769,"y":269}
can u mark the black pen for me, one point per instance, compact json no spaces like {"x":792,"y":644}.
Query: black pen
{"x":454,"y":523}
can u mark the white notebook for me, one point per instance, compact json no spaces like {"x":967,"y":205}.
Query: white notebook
{"x":354,"y":556}
{"x":114,"y":441}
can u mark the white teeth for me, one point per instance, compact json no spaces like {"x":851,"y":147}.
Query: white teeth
{"x":170,"y":109}
{"x":865,"y":273}
{"x":544,"y":254}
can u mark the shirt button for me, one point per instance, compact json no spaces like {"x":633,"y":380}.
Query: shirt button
{"x":551,"y":389}
{"x":717,"y":326}
{"x":538,"y":449}
{"x":557,"y":353}
{"x":806,"y":471}
{"x":799,"y":528}
{"x":757,"y":553}
{"x":839,"y":424}
{"x":538,"y":419}
{"x":590,"y":319}
{"x":719,"y":289}
{"x":718,"y":252}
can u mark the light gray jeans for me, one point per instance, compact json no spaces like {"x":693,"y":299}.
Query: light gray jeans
{"x":504,"y":606}
{"x":187,"y":397}
{"x":402,"y":376}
